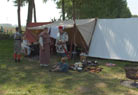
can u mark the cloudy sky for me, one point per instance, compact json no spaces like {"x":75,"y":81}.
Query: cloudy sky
{"x":45,"y":12}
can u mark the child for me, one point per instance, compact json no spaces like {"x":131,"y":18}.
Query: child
{"x":61,"y":66}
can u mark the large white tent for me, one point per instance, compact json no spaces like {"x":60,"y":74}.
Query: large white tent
{"x":108,"y":38}
{"x":115,"y":39}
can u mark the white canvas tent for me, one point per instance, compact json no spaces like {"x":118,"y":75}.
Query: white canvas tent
{"x":109,"y":38}
{"x":85,"y":27}
{"x":115,"y":39}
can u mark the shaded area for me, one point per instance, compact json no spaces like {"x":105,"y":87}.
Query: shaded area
{"x":27,"y":78}
{"x":129,"y":83}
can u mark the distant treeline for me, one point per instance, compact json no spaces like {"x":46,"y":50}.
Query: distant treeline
{"x":7,"y":25}
{"x":96,"y":8}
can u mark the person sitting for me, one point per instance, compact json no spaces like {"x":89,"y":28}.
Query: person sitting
{"x":25,"y":46}
{"x":61,"y":66}
{"x":34,"y":50}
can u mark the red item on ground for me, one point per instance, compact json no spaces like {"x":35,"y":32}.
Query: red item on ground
{"x":110,"y":64}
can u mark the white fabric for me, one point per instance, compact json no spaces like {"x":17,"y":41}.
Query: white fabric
{"x":65,"y":24}
{"x":24,"y":46}
{"x":25,"y":43}
{"x":61,"y":38}
{"x":115,"y":39}
{"x":87,"y":30}
{"x":54,"y":32}
{"x":41,"y":41}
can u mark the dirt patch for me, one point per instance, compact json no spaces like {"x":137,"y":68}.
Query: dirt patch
{"x":100,"y":85}
{"x":28,"y":67}
{"x":1,"y":92}
{"x":84,"y":89}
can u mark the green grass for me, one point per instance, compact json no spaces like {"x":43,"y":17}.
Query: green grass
{"x":27,"y":78}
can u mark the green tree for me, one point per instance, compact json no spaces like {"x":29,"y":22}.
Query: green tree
{"x":19,"y":4}
{"x":19,"y":14}
{"x":96,"y":8}
{"x":31,"y":9}
{"x":63,"y":9}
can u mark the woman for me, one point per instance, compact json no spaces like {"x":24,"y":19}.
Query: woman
{"x":17,"y":45}
{"x":44,"y":40}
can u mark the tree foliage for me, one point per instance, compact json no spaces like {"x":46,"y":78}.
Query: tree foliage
{"x":23,"y":2}
{"x":96,"y":8}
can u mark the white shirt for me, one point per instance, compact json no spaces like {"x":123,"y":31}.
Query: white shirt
{"x":41,"y":41}
{"x":63,"y":38}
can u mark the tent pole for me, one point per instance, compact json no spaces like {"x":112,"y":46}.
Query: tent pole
{"x":93,"y":31}
{"x":74,"y":17}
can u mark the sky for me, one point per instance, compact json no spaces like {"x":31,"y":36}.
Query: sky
{"x":45,"y":11}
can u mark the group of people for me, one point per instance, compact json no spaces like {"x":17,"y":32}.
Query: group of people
{"x":44,"y":43}
{"x":61,"y":49}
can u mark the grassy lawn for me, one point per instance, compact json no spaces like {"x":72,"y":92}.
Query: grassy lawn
{"x":27,"y":78}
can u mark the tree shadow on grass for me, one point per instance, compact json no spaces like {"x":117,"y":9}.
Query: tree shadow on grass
{"x":28,"y":76}
{"x":32,"y":77}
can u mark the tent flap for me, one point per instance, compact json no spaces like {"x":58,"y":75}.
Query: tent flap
{"x":86,"y":30}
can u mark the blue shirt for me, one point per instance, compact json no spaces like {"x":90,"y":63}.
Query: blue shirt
{"x":63,"y":66}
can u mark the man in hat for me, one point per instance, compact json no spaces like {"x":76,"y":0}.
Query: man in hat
{"x":61,"y":41}
{"x":17,"y":45}
{"x":44,"y":40}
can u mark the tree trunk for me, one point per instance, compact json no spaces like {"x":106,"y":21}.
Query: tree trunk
{"x":34,"y":12}
{"x":73,"y":11}
{"x":30,"y":12}
{"x":63,"y":9}
{"x":75,"y":29}
{"x":19,"y":16}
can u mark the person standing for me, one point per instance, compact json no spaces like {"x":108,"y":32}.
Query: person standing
{"x":44,"y":40}
{"x":2,"y":29}
{"x":61,"y":41}
{"x":17,"y":45}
